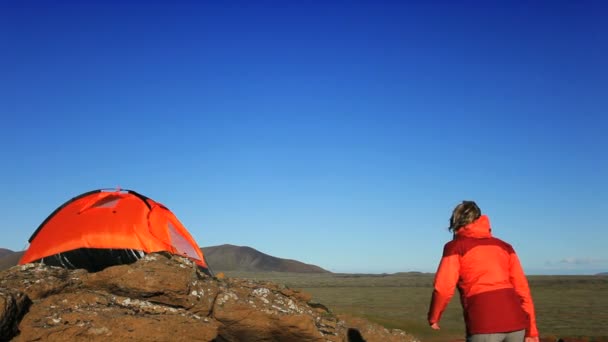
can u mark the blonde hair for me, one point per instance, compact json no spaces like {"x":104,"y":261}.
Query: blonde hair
{"x":464,"y":213}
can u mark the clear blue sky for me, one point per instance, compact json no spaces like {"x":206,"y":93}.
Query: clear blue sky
{"x":339,"y":134}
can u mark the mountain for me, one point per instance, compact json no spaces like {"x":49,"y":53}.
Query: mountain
{"x":9,"y":260}
{"x":602,"y":274}
{"x":243,"y":258}
{"x":221,"y":258}
{"x":4,"y":251}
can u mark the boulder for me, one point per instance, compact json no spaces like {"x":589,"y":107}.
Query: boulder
{"x":165,"y":298}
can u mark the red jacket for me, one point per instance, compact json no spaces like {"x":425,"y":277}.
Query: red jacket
{"x":493,"y":289}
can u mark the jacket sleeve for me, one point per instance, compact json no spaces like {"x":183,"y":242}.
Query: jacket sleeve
{"x":445,"y":282}
{"x":520,"y":283}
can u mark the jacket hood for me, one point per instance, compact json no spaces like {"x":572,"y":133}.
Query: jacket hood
{"x":479,"y":228}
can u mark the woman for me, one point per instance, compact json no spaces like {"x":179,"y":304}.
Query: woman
{"x":494,"y":292}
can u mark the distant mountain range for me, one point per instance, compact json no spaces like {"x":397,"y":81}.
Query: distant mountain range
{"x":602,"y":274}
{"x":220,"y":258}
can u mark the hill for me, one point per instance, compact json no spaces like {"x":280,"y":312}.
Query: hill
{"x":247,"y":259}
{"x":9,"y":260}
{"x":4,"y":251}
{"x":602,"y":274}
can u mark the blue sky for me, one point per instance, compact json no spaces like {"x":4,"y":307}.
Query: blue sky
{"x":340,"y":134}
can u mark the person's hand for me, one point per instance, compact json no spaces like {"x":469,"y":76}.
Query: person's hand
{"x":435,"y":326}
{"x":532,"y":339}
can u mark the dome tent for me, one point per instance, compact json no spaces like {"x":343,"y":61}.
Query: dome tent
{"x":103,"y":228}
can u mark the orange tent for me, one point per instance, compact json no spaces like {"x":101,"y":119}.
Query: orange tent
{"x":102,"y":228}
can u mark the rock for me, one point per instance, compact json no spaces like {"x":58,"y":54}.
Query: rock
{"x":165,"y":298}
{"x":154,"y":278}
{"x":38,"y":281}
{"x":359,"y":327}
{"x":13,"y":306}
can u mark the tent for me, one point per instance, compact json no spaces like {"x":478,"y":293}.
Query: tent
{"x":102,"y":228}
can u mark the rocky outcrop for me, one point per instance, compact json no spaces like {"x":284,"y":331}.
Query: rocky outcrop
{"x":165,"y":298}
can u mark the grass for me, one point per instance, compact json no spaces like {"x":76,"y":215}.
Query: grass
{"x":566,"y":306}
